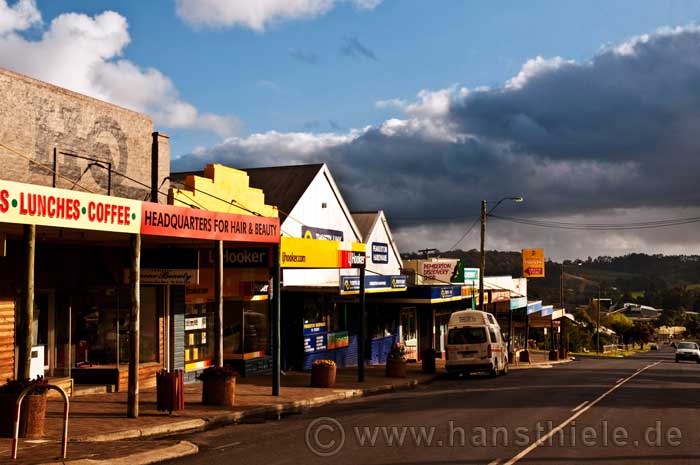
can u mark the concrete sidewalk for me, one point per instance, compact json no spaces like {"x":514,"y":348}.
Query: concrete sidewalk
{"x":100,"y":432}
{"x":99,"y":429}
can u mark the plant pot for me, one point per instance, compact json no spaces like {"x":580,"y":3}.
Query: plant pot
{"x":395,"y":368}
{"x":322,"y":376}
{"x":32,"y":417}
{"x":219,"y":390}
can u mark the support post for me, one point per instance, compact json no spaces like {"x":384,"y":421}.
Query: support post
{"x":525,"y":355}
{"x":511,"y":354}
{"x":219,"y":306}
{"x":132,"y":409}
{"x":482,"y":268}
{"x":361,"y":332}
{"x":276,"y":315}
{"x":26,"y":315}
{"x":597,"y":328}
{"x":553,"y":340}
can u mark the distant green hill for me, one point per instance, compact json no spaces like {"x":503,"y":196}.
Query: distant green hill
{"x":662,"y":281}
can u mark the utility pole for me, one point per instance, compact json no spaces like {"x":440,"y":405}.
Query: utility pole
{"x":561,"y":286}
{"x":482,"y":268}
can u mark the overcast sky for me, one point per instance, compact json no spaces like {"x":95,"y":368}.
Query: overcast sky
{"x":589,"y":110}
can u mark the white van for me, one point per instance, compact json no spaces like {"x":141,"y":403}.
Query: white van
{"x":475,"y":343}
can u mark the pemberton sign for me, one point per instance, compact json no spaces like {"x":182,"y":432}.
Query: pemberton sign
{"x":61,"y":208}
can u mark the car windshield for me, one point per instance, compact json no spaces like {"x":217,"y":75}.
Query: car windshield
{"x":474,"y":335}
{"x":687,"y":345}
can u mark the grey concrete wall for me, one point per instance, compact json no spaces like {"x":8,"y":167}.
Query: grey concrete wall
{"x":35,"y":117}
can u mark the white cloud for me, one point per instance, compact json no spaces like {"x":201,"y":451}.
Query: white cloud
{"x":83,"y":53}
{"x":535,"y":67}
{"x":19,"y":17}
{"x":257,"y":14}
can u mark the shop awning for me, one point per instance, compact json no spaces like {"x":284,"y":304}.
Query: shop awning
{"x":534,"y":307}
{"x":518,"y":302}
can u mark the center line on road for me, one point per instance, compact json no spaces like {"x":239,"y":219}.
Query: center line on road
{"x":580,"y":406}
{"x":225,"y":446}
{"x":620,"y":380}
{"x":495,"y":462}
{"x":563,"y":424}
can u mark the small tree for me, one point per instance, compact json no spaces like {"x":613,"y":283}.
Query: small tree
{"x":621,"y":325}
{"x":642,"y":332}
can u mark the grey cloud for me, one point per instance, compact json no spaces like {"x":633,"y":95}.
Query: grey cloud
{"x":352,"y":47}
{"x":615,"y":134}
{"x":305,"y":56}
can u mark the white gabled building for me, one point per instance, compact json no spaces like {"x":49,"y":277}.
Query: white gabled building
{"x":383,"y":257}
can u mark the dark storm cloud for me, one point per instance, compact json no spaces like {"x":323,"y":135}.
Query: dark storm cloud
{"x":305,"y":56}
{"x":352,"y":47}
{"x":619,"y":131}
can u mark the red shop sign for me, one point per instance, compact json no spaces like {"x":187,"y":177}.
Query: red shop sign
{"x":171,"y":221}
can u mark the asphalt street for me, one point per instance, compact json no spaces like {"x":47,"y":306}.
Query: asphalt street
{"x":639,"y":410}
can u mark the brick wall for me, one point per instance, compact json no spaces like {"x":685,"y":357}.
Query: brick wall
{"x":35,"y":117}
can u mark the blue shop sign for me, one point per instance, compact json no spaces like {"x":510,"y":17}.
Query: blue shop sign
{"x":316,"y":343}
{"x":534,"y":307}
{"x":518,"y":302}
{"x":309,"y":232}
{"x":373,"y":284}
{"x":380,"y":252}
{"x":314,"y":327}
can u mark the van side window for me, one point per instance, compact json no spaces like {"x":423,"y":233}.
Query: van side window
{"x":491,"y":320}
{"x":492,"y":333}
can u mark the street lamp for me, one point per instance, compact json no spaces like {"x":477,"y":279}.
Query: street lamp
{"x":482,"y":268}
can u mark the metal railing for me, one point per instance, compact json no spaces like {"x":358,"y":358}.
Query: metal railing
{"x":18,"y":407}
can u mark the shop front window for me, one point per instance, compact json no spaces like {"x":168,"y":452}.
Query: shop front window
{"x":246,"y":328}
{"x":102,"y":326}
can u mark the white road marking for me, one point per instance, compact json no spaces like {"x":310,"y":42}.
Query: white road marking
{"x":227,"y":445}
{"x":620,"y":380}
{"x":563,"y":424}
{"x":495,"y":462}
{"x":580,"y":406}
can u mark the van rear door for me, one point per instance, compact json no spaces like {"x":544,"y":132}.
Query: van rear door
{"x":467,"y":343}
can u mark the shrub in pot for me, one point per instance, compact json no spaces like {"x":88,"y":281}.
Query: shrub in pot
{"x":218,"y":385}
{"x":33,"y":414}
{"x":396,"y":362}
{"x":323,"y":373}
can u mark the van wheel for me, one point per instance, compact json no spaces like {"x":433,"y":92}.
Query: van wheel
{"x":504,"y":371}
{"x":494,"y":370}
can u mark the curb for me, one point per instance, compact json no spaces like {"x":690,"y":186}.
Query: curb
{"x":181,"y":449}
{"x":198,"y":424}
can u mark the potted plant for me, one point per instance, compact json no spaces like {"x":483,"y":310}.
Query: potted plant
{"x":218,"y":385}
{"x":323,"y":373}
{"x":396,"y":362}
{"x":33,"y":414}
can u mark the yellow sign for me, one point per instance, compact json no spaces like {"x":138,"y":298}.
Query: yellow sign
{"x":313,"y":253}
{"x":533,"y":263}
{"x":61,"y":208}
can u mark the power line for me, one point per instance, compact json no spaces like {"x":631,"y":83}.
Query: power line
{"x":599,"y":226}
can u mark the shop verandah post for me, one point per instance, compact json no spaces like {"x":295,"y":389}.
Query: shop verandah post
{"x":27,"y":307}
{"x":132,"y":409}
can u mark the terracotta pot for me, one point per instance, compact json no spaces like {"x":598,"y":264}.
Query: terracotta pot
{"x":219,"y":390}
{"x":31,"y":420}
{"x":322,"y":376}
{"x":395,"y":368}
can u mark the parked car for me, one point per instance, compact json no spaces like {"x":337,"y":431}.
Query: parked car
{"x":475,"y":343}
{"x":688,"y":351}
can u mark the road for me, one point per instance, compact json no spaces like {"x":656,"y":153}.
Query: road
{"x":639,"y":410}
